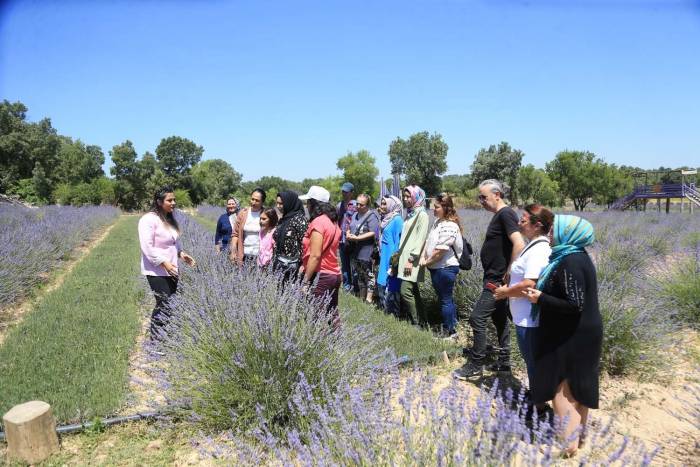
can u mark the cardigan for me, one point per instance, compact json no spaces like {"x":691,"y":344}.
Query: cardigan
{"x":224,"y":230}
{"x":414,"y":245}
{"x":159,"y":243}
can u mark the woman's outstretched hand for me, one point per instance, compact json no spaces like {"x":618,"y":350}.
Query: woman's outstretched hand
{"x":188,"y":259}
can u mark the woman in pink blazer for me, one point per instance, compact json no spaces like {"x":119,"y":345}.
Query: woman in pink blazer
{"x":159,"y":236}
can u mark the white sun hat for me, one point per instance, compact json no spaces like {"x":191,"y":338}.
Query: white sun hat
{"x":318,"y":193}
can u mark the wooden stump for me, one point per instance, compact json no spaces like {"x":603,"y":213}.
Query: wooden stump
{"x":30,"y":431}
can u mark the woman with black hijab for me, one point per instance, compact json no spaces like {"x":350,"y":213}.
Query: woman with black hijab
{"x":289,"y":235}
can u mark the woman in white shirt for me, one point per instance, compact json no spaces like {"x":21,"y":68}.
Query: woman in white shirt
{"x":535,"y":224}
{"x":442,"y":249}
{"x":245,"y":240}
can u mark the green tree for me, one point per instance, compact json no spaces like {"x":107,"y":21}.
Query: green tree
{"x":176,"y":156}
{"x":500,"y":162}
{"x":131,"y":185}
{"x":78,"y":163}
{"x":28,"y":151}
{"x":332,"y":183}
{"x":613,"y":183}
{"x":213,"y":181}
{"x":360,"y":169}
{"x":576,"y":174}
{"x":422,"y":159}
{"x":457,"y":184}
{"x":535,"y":186}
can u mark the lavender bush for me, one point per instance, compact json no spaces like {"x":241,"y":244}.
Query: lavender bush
{"x":415,"y":422}
{"x":240,"y":345}
{"x":34,"y":241}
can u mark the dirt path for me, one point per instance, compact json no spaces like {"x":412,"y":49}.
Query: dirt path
{"x":13,"y":314}
{"x":144,"y":392}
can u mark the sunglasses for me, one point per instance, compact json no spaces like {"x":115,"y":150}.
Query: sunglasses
{"x":481,"y":197}
{"x":361,"y":205}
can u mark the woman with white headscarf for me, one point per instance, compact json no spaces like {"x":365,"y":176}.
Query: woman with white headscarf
{"x":390,"y":235}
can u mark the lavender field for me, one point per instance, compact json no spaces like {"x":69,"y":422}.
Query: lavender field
{"x":35,"y":241}
{"x":251,"y":374}
{"x":351,"y":401}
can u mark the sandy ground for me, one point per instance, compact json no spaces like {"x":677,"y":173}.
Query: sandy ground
{"x":657,"y":413}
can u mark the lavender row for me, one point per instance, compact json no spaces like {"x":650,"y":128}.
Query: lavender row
{"x":209,"y":212}
{"x":239,"y":340}
{"x":34,"y":241}
{"x":254,"y":359}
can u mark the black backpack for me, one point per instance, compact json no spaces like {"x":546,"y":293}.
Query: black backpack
{"x":465,"y":259}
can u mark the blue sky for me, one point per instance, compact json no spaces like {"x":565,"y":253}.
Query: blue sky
{"x":286,"y":88}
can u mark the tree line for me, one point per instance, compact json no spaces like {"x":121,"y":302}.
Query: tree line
{"x":40,"y":166}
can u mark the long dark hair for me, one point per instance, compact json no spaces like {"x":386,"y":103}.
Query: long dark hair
{"x":271,"y":214}
{"x":318,"y":208}
{"x":448,"y":206}
{"x":157,"y":206}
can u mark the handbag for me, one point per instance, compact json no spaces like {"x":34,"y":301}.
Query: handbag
{"x":352,"y":248}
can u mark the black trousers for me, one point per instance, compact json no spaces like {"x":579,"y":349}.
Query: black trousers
{"x":163,"y":287}
{"x":484,"y":308}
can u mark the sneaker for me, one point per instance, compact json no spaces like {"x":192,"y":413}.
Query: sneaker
{"x":469,"y":370}
{"x":499,"y":368}
{"x":451,"y":338}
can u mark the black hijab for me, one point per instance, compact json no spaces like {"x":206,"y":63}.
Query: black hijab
{"x":291,"y":206}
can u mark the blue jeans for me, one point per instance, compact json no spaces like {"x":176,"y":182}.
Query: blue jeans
{"x":345,"y":267}
{"x":526,"y":343}
{"x":444,"y":283}
{"x":389,"y":301}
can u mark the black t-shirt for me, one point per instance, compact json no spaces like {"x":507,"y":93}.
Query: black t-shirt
{"x":497,"y":248}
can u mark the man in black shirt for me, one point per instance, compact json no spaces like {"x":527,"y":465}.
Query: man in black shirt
{"x":503,"y":243}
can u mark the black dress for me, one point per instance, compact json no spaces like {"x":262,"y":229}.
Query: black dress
{"x":570,"y":334}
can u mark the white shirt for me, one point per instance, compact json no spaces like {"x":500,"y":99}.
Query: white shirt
{"x":251,"y":233}
{"x":445,"y":235}
{"x":528,"y":265}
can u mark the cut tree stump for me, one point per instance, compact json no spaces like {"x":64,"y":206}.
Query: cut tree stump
{"x":30,"y":431}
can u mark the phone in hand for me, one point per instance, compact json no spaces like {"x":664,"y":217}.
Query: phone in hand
{"x":491,"y":286}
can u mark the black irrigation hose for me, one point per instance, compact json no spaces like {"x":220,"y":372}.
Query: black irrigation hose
{"x":77,"y":427}
{"x":402,"y":361}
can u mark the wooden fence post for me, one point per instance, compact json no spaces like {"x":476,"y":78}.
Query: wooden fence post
{"x":30,"y":431}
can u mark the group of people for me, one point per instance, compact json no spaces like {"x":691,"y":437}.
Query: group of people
{"x":536,"y":273}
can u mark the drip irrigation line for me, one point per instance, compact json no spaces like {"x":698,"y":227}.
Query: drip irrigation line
{"x":402,"y":361}
{"x":77,"y":427}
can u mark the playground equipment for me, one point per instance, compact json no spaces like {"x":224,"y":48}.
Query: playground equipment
{"x":643,"y":191}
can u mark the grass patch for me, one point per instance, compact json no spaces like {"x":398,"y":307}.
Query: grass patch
{"x":418,"y":345}
{"x":206,"y":223}
{"x":72,"y":350}
{"x":681,"y":290}
{"x":138,"y":443}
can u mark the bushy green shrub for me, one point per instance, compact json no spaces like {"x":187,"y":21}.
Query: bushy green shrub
{"x":681,"y":291}
{"x":240,"y":343}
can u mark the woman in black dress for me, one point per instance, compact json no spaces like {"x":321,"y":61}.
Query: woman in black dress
{"x":568,"y":347}
{"x":289,"y":234}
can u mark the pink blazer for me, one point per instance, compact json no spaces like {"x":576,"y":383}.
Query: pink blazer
{"x":159,"y":243}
